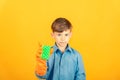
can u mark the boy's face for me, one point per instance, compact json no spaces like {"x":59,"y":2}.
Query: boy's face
{"x":62,"y":38}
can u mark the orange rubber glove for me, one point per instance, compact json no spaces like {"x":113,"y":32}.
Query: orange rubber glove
{"x":41,"y":65}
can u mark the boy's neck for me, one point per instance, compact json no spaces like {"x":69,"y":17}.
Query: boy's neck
{"x":62,"y":49}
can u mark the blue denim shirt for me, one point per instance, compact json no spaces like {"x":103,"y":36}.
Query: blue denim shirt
{"x":65,"y":66}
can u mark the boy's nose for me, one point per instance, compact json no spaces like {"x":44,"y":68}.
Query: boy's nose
{"x":62,"y":38}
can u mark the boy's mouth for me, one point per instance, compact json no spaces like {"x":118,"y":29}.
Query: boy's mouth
{"x":62,"y":42}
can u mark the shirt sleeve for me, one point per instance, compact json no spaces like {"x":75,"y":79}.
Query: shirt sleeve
{"x":80,"y":72}
{"x":40,"y":77}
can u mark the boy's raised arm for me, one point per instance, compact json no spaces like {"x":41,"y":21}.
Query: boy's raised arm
{"x":41,"y":65}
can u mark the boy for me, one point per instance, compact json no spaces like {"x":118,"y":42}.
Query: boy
{"x":65,"y":63}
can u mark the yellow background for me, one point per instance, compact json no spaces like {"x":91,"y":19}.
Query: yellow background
{"x":96,"y":35}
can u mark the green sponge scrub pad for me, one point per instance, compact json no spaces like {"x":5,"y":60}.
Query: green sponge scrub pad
{"x":45,"y":52}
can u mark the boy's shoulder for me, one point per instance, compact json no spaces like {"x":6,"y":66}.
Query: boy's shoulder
{"x":75,"y":52}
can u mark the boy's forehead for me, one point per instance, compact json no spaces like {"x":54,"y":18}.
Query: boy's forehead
{"x":66,"y":31}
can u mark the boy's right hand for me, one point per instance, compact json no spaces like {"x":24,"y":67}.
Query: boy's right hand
{"x":41,"y":67}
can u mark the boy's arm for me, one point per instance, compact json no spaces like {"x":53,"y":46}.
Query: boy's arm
{"x":80,"y":73}
{"x":41,"y":67}
{"x":42,"y":55}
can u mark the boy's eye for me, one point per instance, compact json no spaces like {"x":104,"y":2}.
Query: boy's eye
{"x":66,"y":34}
{"x":59,"y":34}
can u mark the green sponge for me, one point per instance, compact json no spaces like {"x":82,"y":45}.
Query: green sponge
{"x":45,"y":52}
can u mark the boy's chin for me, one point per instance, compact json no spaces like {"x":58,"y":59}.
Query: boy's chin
{"x":62,"y":45}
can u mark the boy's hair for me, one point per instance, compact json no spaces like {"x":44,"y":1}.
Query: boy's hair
{"x":60,"y":25}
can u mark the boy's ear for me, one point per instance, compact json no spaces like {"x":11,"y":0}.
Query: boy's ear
{"x":70,"y":34}
{"x":52,"y":34}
